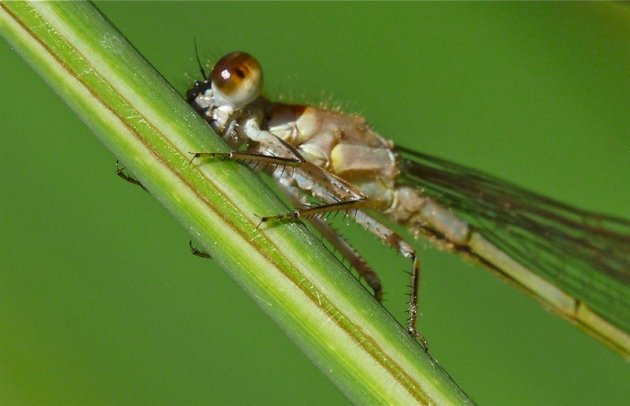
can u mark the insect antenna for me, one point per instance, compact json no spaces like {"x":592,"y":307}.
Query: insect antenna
{"x":201,"y":69}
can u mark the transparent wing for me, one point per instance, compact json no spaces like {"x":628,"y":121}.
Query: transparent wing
{"x":585,"y":254}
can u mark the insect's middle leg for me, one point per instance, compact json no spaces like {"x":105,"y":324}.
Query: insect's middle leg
{"x":311,"y":212}
{"x":338,"y":242}
{"x":348,"y":252}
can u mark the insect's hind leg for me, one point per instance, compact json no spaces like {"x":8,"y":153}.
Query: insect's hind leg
{"x":197,"y":252}
{"x":394,"y":240}
{"x":121,"y":172}
{"x":387,"y":235}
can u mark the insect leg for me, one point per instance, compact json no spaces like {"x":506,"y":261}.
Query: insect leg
{"x":338,"y":242}
{"x":197,"y":252}
{"x":122,"y":173}
{"x":247,"y":156}
{"x":383,"y":232}
{"x":335,"y":193}
{"x":391,"y":238}
{"x":347,"y":251}
{"x":311,"y":212}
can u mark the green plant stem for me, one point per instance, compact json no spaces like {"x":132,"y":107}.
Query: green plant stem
{"x":150,"y":128}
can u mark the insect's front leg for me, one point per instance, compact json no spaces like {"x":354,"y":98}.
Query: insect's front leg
{"x":354,"y":202}
{"x":247,"y":157}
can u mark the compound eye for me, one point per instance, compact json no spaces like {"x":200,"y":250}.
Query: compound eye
{"x":237,"y":79}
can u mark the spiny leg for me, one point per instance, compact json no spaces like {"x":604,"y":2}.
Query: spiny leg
{"x":312,"y":212}
{"x":391,"y":238}
{"x":234,"y":156}
{"x":247,"y":156}
{"x":337,"y":194}
{"x":351,"y":200}
{"x":384,"y":233}
{"x":338,"y":242}
{"x":348,"y":252}
{"x":344,"y":205}
{"x":342,"y":197}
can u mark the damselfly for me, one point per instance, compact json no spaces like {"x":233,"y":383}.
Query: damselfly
{"x":551,"y":250}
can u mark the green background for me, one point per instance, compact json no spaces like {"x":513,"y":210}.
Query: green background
{"x":101,"y":302}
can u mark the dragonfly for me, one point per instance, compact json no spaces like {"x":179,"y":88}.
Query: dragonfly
{"x":574,"y":261}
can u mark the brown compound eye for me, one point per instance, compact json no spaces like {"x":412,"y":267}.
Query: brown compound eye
{"x":237,"y":79}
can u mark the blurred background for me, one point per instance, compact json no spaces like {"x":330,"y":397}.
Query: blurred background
{"x":101,"y":302}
